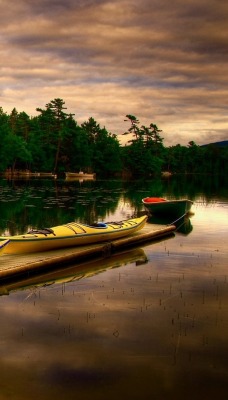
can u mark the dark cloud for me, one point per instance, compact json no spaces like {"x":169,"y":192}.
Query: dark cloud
{"x":118,"y":57}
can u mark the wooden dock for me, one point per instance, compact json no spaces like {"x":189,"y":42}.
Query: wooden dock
{"x":12,"y":266}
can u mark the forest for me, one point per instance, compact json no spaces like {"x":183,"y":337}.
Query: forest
{"x":53,"y":141}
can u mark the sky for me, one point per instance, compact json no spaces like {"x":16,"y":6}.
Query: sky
{"x":165,"y":62}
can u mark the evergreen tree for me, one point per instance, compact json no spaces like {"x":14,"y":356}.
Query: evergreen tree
{"x":4,"y":132}
{"x":145,"y":155}
{"x":55,"y":118}
{"x":17,"y":154}
{"x":13,"y":119}
{"x":134,"y":129}
{"x":52,"y":141}
{"x":105,"y":149}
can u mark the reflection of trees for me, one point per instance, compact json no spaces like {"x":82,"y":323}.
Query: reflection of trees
{"x":192,"y":186}
{"x":46,"y":203}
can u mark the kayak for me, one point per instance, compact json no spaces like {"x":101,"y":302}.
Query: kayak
{"x":69,"y":235}
{"x":160,"y":206}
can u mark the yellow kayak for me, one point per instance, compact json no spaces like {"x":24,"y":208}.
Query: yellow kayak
{"x":68,"y":235}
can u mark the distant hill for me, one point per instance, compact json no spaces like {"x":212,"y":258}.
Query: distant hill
{"x":223,"y":143}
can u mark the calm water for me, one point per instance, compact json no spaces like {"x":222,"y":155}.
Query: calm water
{"x":150,"y":323}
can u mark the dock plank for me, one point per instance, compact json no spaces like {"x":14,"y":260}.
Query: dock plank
{"x":12,"y":265}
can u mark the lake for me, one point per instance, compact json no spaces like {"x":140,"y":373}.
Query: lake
{"x":148,"y":323}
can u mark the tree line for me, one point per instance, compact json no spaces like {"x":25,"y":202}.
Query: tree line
{"x":53,"y":141}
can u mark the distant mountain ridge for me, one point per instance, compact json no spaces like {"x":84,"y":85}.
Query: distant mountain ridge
{"x":223,"y":143}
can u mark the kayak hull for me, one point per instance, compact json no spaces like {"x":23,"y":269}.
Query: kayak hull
{"x":69,"y":235}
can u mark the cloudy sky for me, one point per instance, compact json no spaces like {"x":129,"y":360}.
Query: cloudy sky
{"x":163,"y":61}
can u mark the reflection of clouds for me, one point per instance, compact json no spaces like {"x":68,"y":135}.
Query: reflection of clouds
{"x":105,"y":327}
{"x":148,"y":56}
{"x":138,"y":328}
{"x":217,"y":215}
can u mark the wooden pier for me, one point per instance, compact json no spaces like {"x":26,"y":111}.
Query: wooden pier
{"x":12,"y":266}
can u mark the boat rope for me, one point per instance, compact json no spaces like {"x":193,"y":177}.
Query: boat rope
{"x":178,"y":219}
{"x":44,"y":231}
{"x":115,"y":225}
{"x":70,"y":226}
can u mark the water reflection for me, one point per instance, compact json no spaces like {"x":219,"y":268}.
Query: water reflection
{"x":154,"y":328}
{"x":67,"y":274}
{"x":149,"y":331}
{"x":31,"y":204}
